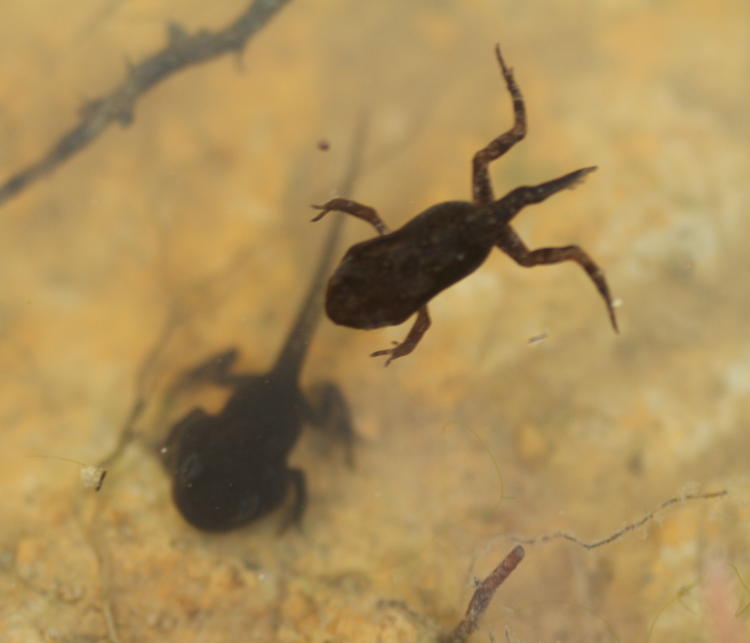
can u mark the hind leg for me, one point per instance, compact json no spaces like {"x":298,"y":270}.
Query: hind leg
{"x":516,"y":249}
{"x":481,"y":186}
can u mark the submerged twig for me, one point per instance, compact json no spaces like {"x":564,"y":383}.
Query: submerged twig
{"x":563,"y":535}
{"x":143,"y":375}
{"x":742,"y":608}
{"x":483,"y":595}
{"x":182,"y":50}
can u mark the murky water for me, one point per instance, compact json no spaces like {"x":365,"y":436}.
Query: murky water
{"x":199,"y":212}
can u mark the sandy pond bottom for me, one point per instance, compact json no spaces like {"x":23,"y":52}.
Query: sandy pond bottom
{"x":201,"y":205}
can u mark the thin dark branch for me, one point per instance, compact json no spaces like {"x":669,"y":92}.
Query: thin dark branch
{"x":563,"y":535}
{"x":182,"y":50}
{"x":142,"y":385}
{"x":483,"y":595}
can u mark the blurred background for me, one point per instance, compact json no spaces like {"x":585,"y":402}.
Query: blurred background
{"x":201,"y":206}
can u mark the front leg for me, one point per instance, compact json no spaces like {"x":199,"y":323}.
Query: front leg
{"x":214,"y":370}
{"x":421,"y":324}
{"x":299,"y":501}
{"x":516,"y":249}
{"x":328,"y":409}
{"x":364,"y":212}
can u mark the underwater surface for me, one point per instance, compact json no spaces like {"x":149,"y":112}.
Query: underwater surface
{"x":179,"y":226}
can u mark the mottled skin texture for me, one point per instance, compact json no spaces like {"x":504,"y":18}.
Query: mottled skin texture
{"x":231,"y":468}
{"x":417,"y":250}
{"x":383,"y":281}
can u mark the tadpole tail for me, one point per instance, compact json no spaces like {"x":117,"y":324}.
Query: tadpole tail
{"x":292,"y":355}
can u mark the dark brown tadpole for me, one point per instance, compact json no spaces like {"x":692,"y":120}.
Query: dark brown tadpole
{"x":483,"y":595}
{"x":386,"y":280}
